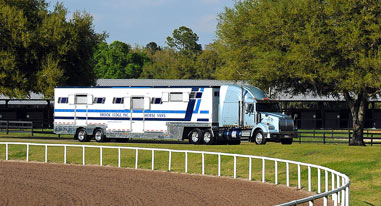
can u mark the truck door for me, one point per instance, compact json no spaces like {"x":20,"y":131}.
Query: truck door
{"x":249,"y":115}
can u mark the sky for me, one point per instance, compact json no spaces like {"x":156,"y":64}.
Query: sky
{"x":138,"y":22}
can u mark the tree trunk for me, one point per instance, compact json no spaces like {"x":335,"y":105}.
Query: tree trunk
{"x":357,"y":107}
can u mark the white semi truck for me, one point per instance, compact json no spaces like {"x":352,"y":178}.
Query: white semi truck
{"x":202,"y":114}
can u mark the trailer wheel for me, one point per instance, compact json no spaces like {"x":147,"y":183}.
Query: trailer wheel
{"x":99,"y":135}
{"x":82,"y":135}
{"x":195,"y":136}
{"x":286,"y":141}
{"x":208,"y":137}
{"x":259,"y":137}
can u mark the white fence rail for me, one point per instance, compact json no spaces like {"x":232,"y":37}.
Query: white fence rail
{"x":336,"y":187}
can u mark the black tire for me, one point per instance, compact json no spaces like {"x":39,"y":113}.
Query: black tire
{"x":208,"y":137}
{"x":195,"y":136}
{"x":82,"y":135}
{"x":258,"y":137}
{"x":286,"y":141}
{"x":99,"y":135}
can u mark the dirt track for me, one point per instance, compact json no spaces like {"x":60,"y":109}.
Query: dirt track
{"x":55,"y":184}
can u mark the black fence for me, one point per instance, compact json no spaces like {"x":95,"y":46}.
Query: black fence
{"x":326,"y":136}
{"x":16,"y":126}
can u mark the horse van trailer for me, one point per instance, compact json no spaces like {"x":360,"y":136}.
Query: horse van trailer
{"x":202,"y":114}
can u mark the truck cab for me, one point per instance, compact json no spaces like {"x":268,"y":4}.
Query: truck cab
{"x":247,"y":109}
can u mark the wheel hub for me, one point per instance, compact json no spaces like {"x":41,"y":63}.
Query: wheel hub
{"x":194,"y":136}
{"x":207,"y":137}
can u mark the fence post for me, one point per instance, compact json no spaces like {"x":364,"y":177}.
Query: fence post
{"x":319,"y":182}
{"x":371,"y":139}
{"x":65,"y":154}
{"x":100,"y":156}
{"x":186,"y":162}
{"x":153,"y":159}
{"x":219,"y":164}
{"x":250,"y":162}
{"x":136,"y":158}
{"x":46,"y":153}
{"x":300,"y":138}
{"x":287,"y":175}
{"x":323,"y":137}
{"x":118,"y":156}
{"x":299,"y":178}
{"x":169,"y":161}
{"x":235,"y":166}
{"x":83,"y":155}
{"x":203,"y":164}
{"x":309,"y":179}
{"x":27,"y":152}
{"x":32,"y":129}
{"x":276,"y":172}
{"x":7,"y":127}
{"x":263,"y":170}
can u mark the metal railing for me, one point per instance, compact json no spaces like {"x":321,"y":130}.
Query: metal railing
{"x":338,"y":183}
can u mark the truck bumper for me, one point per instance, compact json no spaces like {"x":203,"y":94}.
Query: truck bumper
{"x":279,"y":136}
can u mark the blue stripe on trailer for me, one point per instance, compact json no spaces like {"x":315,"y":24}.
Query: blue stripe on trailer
{"x":203,"y":120}
{"x":204,"y":112}
{"x":123,"y":111}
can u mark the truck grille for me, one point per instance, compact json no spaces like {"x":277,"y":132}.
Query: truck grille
{"x":286,"y":125}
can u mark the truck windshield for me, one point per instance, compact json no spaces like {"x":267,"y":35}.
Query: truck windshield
{"x":268,"y":107}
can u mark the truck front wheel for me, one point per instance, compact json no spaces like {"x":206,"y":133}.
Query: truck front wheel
{"x":259,"y":137}
{"x":195,"y":136}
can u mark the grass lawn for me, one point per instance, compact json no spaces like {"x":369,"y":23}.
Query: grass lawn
{"x":361,"y":164}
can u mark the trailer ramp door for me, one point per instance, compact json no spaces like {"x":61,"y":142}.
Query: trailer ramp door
{"x":137,"y":111}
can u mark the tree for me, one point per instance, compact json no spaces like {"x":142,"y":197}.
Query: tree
{"x":117,"y":61}
{"x":328,"y":47}
{"x":41,"y":49}
{"x":152,"y":47}
{"x":184,"y":40}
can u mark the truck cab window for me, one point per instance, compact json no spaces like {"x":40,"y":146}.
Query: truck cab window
{"x":268,"y":107}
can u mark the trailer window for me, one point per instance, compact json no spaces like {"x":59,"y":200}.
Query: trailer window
{"x":137,"y":103}
{"x":63,"y":100}
{"x":118,"y":100}
{"x":156,"y":100}
{"x":80,"y":99}
{"x":176,"y":97}
{"x":99,"y":100}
